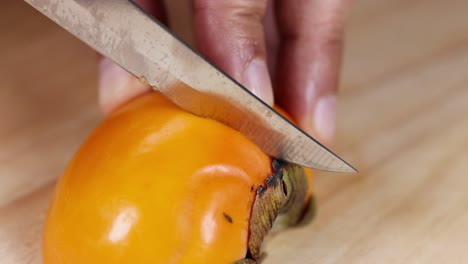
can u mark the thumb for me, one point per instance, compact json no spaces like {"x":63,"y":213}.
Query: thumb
{"x":231,"y":35}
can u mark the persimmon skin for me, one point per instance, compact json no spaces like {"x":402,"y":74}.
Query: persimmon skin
{"x":155,"y":184}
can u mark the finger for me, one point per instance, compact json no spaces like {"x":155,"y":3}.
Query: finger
{"x":154,"y":7}
{"x":231,"y":35}
{"x":309,"y":61}
{"x":116,"y":86}
{"x":271,"y":37}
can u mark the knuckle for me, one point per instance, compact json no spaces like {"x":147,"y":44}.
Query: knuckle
{"x":332,"y":36}
{"x":238,"y":22}
{"x":245,"y":9}
{"x":326,"y":33}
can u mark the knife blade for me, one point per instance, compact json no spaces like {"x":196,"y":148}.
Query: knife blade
{"x":122,"y":31}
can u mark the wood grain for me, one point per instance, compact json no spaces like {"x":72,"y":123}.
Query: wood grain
{"x":402,"y":120}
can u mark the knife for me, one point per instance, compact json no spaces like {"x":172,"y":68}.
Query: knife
{"x":122,"y":31}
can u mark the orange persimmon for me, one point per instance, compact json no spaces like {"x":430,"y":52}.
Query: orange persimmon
{"x":156,"y":184}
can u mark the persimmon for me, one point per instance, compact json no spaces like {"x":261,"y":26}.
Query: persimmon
{"x":156,"y":184}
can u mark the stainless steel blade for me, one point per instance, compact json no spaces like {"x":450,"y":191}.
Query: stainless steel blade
{"x":121,"y":31}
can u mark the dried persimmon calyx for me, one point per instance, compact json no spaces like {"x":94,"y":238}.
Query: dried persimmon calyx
{"x":246,"y":261}
{"x":280,"y":202}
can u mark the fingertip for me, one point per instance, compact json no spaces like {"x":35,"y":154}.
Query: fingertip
{"x":257,"y":79}
{"x":323,"y":120}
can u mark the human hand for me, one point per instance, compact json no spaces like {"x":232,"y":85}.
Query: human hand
{"x":291,"y":47}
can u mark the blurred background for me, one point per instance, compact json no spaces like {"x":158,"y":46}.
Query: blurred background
{"x":402,"y":121}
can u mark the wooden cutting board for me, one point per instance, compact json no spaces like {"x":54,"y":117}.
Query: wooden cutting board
{"x":402,"y":120}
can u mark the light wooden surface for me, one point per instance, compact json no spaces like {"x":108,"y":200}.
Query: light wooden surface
{"x":403,"y":121}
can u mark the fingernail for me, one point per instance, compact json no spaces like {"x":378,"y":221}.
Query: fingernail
{"x":257,"y":80}
{"x":324,"y":118}
{"x":116,"y":85}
